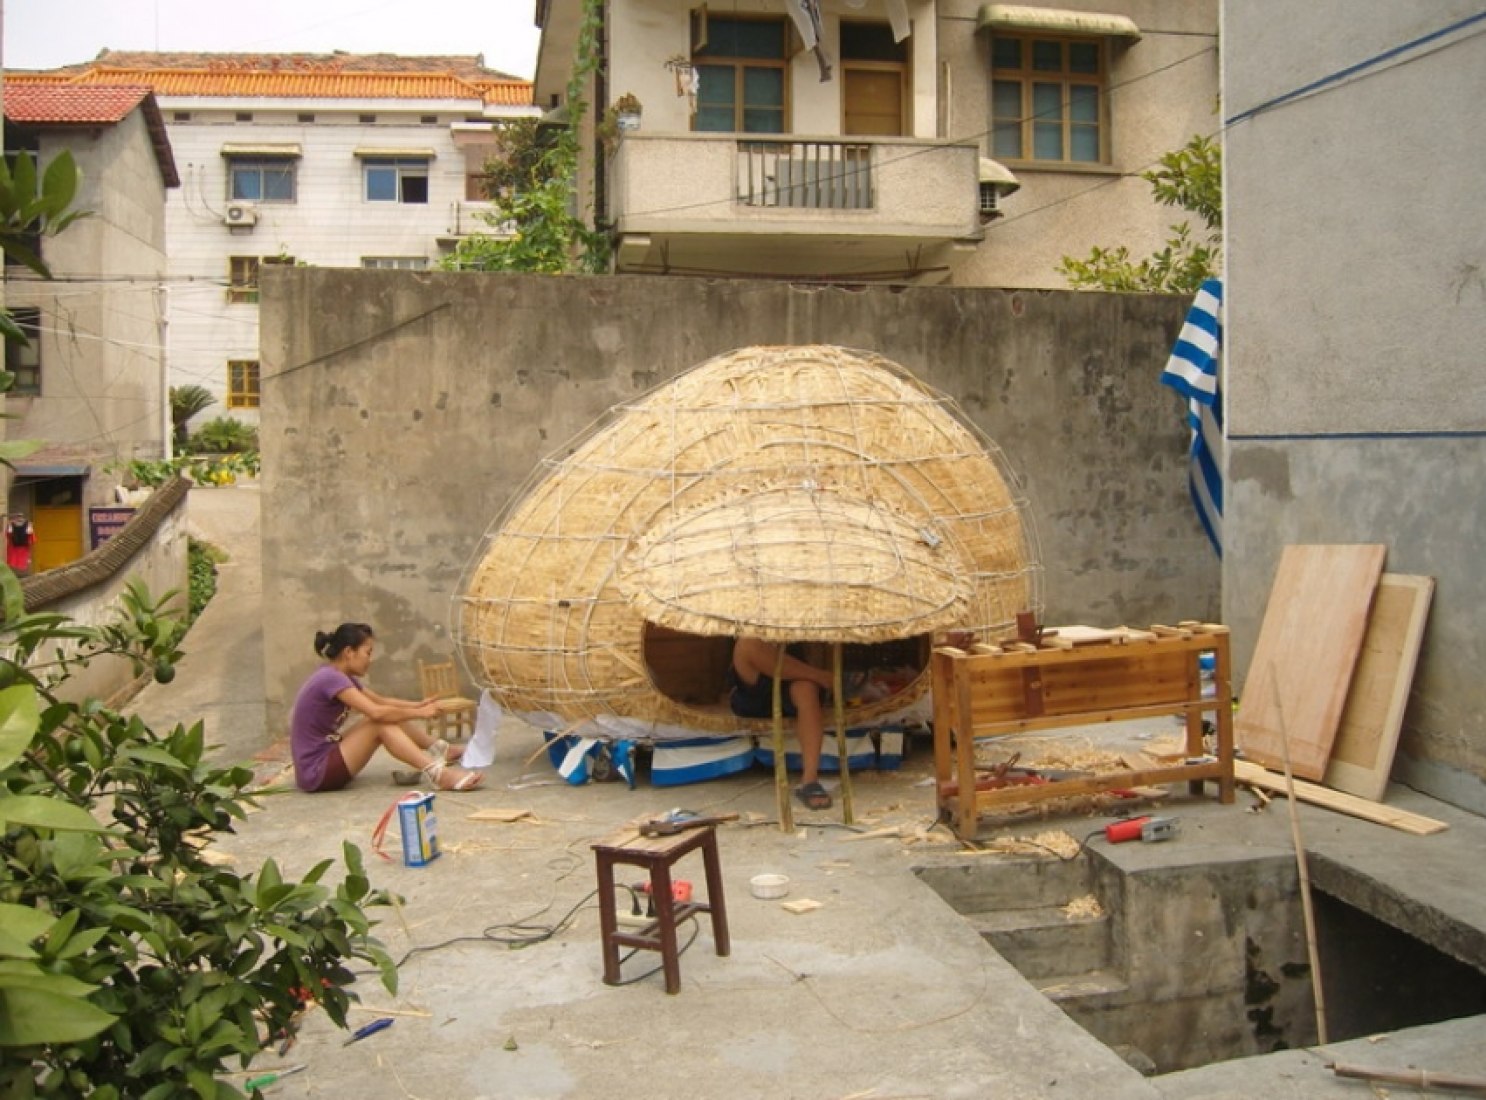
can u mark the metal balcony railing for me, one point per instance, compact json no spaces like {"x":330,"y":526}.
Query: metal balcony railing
{"x":807,"y":175}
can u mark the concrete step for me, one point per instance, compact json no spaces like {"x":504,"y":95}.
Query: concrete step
{"x":1010,"y":883}
{"x":1043,"y":942}
{"x":1068,"y":990}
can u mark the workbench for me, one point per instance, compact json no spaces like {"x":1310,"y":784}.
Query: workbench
{"x":1077,"y":676}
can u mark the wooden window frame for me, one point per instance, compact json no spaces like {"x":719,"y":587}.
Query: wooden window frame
{"x":700,"y":36}
{"x":242,"y":276}
{"x":1026,"y":76}
{"x":243,"y":381}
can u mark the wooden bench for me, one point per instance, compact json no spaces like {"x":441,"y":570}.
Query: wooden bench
{"x":1083,"y":677}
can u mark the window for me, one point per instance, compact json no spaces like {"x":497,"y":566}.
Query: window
{"x":395,"y":263}
{"x":741,"y":67}
{"x":396,"y":179}
{"x":367,"y":120}
{"x":242,"y":383}
{"x":428,"y":120}
{"x":180,"y":116}
{"x":242,"y":275}
{"x":1047,"y":99}
{"x":24,"y":360}
{"x":260,"y":179}
{"x":305,"y":117}
{"x":243,"y":116}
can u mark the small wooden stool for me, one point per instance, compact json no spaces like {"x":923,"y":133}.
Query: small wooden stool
{"x":657,"y":854}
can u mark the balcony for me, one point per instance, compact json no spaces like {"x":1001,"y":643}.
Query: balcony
{"x":794,"y":206}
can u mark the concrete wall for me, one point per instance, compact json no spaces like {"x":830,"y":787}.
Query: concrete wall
{"x":401,"y":410}
{"x":1355,"y":322}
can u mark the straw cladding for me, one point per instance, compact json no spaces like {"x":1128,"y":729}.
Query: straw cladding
{"x":798,"y":493}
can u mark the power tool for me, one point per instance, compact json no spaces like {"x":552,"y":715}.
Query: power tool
{"x":1146,"y":828}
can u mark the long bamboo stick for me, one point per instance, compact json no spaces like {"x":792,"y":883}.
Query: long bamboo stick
{"x":837,"y":693}
{"x":1300,"y":863}
{"x":781,"y":768}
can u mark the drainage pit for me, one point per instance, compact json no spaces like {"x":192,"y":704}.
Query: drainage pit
{"x":1175,"y":967}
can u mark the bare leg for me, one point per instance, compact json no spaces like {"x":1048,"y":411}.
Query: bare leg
{"x":809,"y":727}
{"x":406,"y":743}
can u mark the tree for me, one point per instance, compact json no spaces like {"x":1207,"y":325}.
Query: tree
{"x":131,"y":965}
{"x":1190,"y":178}
{"x":531,"y":180}
{"x":186,"y":402}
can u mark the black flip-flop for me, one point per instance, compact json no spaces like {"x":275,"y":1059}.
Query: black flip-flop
{"x":813,"y":796}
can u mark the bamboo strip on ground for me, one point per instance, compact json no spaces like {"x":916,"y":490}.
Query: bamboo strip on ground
{"x":1248,"y":772}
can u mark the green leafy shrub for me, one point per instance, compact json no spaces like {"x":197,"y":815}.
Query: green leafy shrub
{"x":130,"y":965}
{"x":224,"y":435}
{"x":201,"y":568}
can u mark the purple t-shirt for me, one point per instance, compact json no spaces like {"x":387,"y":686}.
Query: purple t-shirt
{"x":317,"y":716}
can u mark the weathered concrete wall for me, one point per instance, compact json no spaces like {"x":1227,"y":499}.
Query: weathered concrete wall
{"x":1356,"y":396}
{"x":401,"y":409}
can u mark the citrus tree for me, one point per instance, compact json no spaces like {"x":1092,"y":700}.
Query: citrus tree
{"x":1190,"y":178}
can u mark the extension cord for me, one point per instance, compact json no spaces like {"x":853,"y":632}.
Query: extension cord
{"x":632,"y":920}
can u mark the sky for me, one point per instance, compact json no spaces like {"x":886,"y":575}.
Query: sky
{"x":42,"y":34}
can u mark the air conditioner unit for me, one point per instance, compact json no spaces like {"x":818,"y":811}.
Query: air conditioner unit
{"x":240,"y":213}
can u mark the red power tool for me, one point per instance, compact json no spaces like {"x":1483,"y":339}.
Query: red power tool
{"x":1141,"y":828}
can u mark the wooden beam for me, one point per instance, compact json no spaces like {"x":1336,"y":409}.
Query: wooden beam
{"x":1248,"y":772}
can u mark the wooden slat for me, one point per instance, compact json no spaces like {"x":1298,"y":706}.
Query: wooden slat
{"x":1308,"y":645}
{"x":1373,"y":716}
{"x":1246,"y":772}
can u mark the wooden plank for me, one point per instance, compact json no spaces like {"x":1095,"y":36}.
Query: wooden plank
{"x":1373,"y":715}
{"x":1308,"y":645}
{"x":1247,"y":772}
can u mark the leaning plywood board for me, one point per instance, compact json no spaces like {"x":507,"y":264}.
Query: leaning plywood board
{"x":1418,"y":824}
{"x":1303,"y":660}
{"x":1373,"y":716}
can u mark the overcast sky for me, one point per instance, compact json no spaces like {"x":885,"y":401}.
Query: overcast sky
{"x":42,"y":34}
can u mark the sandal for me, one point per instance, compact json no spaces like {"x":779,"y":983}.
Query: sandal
{"x":813,"y":796}
{"x":442,"y":778}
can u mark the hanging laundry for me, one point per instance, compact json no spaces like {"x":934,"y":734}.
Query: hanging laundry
{"x":806,"y":16}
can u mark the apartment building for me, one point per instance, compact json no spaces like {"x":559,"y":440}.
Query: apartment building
{"x":336,"y":160}
{"x":921,"y":141}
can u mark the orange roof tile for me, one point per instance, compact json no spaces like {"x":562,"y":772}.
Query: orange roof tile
{"x":289,"y":85}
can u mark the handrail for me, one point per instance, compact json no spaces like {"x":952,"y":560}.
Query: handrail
{"x":810,"y":175}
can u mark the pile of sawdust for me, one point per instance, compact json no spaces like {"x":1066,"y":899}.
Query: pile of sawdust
{"x":1084,"y":908}
{"x":1054,"y":842}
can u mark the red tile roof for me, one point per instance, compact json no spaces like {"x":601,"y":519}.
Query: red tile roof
{"x":303,"y":76}
{"x":70,"y":103}
{"x":46,"y":102}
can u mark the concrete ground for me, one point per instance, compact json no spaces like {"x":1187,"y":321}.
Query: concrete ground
{"x":881,"y":992}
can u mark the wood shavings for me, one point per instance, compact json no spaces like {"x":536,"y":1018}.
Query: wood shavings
{"x":1053,"y":843}
{"x":1084,"y":908}
{"x":801,"y":905}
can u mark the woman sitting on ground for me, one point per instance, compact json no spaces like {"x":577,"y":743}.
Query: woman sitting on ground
{"x":339,"y":722}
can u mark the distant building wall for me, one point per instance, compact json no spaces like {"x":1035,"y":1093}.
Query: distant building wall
{"x":1356,"y":319}
{"x":401,"y":412}
{"x":102,"y":398}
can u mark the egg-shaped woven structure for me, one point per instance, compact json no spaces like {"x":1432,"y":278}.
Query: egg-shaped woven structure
{"x":802,"y":493}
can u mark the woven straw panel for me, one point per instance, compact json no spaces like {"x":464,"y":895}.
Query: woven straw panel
{"x":795,"y":493}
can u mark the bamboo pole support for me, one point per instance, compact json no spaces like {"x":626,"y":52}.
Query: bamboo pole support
{"x":781,"y":768}
{"x":837,"y":694}
{"x":1300,"y":864}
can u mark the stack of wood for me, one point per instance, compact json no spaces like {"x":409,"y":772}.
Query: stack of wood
{"x":1330,"y":680}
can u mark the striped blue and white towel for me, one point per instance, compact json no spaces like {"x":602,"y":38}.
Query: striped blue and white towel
{"x":1192,"y":371}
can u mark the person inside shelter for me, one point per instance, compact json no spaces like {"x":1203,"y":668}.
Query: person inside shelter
{"x":803,"y":691}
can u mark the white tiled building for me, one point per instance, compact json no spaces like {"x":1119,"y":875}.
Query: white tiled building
{"x":331,"y":160}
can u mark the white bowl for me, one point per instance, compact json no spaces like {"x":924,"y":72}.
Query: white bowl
{"x":769,"y":885}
